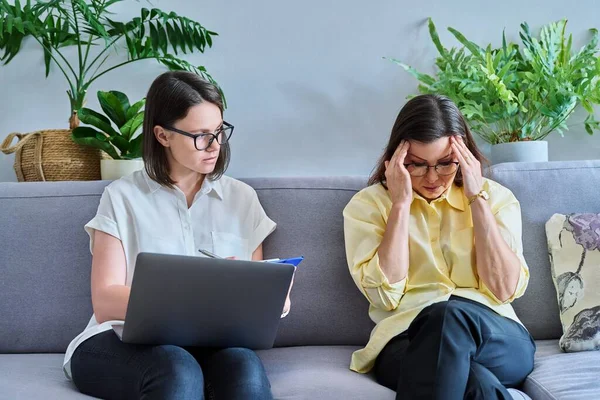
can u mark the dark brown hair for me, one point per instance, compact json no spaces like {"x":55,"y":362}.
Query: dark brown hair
{"x":169,"y":99}
{"x":426,"y":118}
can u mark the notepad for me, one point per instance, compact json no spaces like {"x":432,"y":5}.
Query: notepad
{"x":295,"y":261}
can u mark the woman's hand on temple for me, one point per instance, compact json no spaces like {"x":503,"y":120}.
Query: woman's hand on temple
{"x":397,"y":176}
{"x":469,"y":166}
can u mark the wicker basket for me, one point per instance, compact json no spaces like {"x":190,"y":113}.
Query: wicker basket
{"x":51,"y":155}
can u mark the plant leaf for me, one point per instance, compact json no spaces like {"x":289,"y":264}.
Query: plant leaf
{"x":435,"y":38}
{"x":111,"y":2}
{"x":112,"y":107}
{"x":47,"y":55}
{"x":180,"y":37}
{"x":199,"y":40}
{"x":426,"y":79}
{"x":123,"y":99}
{"x":173,"y":39}
{"x":87,"y":136}
{"x":135,"y":108}
{"x":189,"y":39}
{"x":129,"y":129}
{"x":18,"y":22}
{"x":91,"y":117}
{"x":591,"y":124}
{"x":154,"y":37}
{"x":208,"y":39}
{"x":9,"y":23}
{"x":162,"y":38}
{"x":17,"y":8}
{"x":473,"y":48}
{"x":135,"y":147}
{"x":120,"y":143}
{"x":92,"y":23}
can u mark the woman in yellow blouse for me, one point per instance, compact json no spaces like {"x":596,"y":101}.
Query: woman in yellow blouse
{"x":436,"y":249}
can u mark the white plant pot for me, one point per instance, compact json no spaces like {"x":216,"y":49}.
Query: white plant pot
{"x":529,"y":151}
{"x":115,"y":169}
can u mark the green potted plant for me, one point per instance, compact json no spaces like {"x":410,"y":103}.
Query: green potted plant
{"x":88,"y":27}
{"x":123,"y":142}
{"x":514,"y":96}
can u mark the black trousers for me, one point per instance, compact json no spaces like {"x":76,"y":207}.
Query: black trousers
{"x":457,"y":349}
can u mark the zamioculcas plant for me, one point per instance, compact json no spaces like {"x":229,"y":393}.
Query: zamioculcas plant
{"x":120,"y":142}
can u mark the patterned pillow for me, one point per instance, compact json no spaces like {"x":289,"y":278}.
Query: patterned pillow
{"x":574,"y":249}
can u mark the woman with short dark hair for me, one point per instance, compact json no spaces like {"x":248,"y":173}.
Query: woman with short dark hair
{"x":179,"y":204}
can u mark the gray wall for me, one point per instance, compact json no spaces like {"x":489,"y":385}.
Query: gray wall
{"x":307,"y":87}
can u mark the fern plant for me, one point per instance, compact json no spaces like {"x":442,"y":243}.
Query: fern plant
{"x":87,"y":25}
{"x":517,"y":92}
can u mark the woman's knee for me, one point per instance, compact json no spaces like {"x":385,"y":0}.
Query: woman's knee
{"x":242,"y":356}
{"x":245,"y":364}
{"x":174,"y":373}
{"x":239,"y":355}
{"x":175,"y":361}
{"x":246,"y":375}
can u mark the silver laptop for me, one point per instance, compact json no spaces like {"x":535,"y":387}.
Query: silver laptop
{"x":205,"y":302}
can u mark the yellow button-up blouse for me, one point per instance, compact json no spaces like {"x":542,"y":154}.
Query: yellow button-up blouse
{"x":441,"y":260}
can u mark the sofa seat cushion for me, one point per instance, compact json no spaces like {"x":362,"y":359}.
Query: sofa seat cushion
{"x":308,"y":372}
{"x":318,"y":372}
{"x":35,"y":376}
{"x":321,"y":372}
{"x":564,"y":376}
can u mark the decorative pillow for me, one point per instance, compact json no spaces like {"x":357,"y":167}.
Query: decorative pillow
{"x":574,"y":249}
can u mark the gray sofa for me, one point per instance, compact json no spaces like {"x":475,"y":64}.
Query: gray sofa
{"x":45,"y":289}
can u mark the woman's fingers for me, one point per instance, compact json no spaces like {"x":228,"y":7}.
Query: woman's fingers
{"x":394,"y":159}
{"x":470,"y":157}
{"x":458,"y":154}
{"x":396,"y":152}
{"x":403,"y":153}
{"x":461,"y":150}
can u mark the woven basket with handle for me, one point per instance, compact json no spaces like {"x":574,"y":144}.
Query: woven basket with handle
{"x":51,"y":155}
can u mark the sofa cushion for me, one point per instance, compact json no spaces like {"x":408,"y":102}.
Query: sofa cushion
{"x":315,"y":373}
{"x":327,"y":308}
{"x":564,"y":376}
{"x":45,"y":264}
{"x":544,"y":189}
{"x":321,"y":372}
{"x":574,"y":245}
{"x":35,"y":376}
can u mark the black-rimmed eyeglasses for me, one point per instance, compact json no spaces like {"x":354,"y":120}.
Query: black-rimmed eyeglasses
{"x":445,"y":168}
{"x":203,"y":141}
